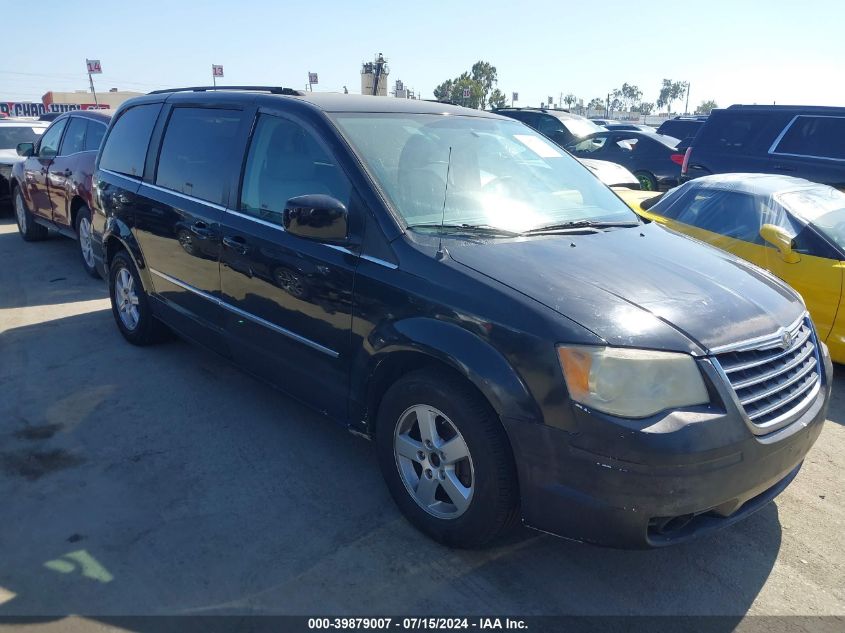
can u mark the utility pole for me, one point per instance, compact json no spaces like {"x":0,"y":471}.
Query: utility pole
{"x":686,"y":108}
{"x":379,"y":66}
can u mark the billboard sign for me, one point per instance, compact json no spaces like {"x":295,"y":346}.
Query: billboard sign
{"x":36,"y":108}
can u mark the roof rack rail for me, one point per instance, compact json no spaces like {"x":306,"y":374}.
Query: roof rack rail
{"x":276,"y":90}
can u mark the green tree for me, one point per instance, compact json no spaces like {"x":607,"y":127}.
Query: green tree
{"x":596,"y":104}
{"x":570,"y":100}
{"x":670,"y":92}
{"x":706,"y":107}
{"x":479,"y":80}
{"x":497,"y":99}
{"x":484,"y":74}
{"x":630,"y":94}
{"x":644,"y":107}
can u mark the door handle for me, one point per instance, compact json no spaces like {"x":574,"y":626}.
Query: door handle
{"x":237,"y":244}
{"x":201,"y":229}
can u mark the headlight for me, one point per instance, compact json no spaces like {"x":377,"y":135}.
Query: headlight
{"x":631,"y":383}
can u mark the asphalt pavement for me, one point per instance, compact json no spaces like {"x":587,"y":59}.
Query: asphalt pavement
{"x":163,"y":480}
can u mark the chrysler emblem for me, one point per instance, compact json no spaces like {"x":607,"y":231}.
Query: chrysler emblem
{"x":786,"y":340}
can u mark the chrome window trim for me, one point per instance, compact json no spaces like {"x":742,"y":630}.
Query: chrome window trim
{"x":133,"y":179}
{"x":758,"y":342}
{"x":179,"y":194}
{"x":266,"y":223}
{"x":247,"y":315}
{"x":380,"y":262}
{"x":783,"y":132}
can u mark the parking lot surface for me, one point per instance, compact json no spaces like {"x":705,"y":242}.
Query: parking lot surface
{"x":163,"y":480}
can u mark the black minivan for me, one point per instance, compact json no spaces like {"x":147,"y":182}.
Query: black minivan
{"x":453,"y":285}
{"x":801,"y":141}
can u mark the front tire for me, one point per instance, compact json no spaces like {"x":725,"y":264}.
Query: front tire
{"x":446,"y":460}
{"x":28,"y":229}
{"x":130,"y":304}
{"x":84,"y":238}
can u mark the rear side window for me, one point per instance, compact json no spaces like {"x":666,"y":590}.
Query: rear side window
{"x":822,"y":136}
{"x":126,"y":146}
{"x":94,"y":135}
{"x":196,"y":153}
{"x":74,"y":137}
{"x":732,"y":132}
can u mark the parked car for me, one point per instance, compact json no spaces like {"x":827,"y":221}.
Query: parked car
{"x":12,"y":132}
{"x":801,"y":141}
{"x":51,"y":187}
{"x":682,"y":127}
{"x":653,"y":158}
{"x":560,"y":126}
{"x":611,"y":174}
{"x":792,"y":227}
{"x":638,"y":127}
{"x":516,"y":342}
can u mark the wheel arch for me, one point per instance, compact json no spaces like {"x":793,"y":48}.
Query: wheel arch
{"x":419,"y":343}
{"x":76,"y":203}
{"x":117,"y":237}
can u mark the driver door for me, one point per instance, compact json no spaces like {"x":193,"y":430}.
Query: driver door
{"x":37,"y":167}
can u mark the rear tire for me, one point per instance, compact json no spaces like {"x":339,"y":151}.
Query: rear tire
{"x":462,"y":501}
{"x":28,"y":229}
{"x":130,"y":304}
{"x":647,"y":181}
{"x":84,"y":241}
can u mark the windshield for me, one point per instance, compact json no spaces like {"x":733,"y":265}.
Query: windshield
{"x":821,"y":206}
{"x":10,"y":135}
{"x":501,"y":173}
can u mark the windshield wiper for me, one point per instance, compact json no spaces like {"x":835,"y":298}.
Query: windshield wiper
{"x":485,"y":229}
{"x":576,"y":225}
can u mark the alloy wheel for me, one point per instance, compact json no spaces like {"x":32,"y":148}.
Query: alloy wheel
{"x":126,"y":299}
{"x":434,"y":462}
{"x":85,"y":242}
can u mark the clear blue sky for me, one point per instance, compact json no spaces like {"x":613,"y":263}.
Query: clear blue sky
{"x":739,"y":51}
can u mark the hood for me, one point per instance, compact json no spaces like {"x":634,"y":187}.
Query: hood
{"x":640,"y":287}
{"x":10,"y":157}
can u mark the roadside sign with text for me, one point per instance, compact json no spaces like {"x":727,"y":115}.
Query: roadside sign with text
{"x":312,"y":78}
{"x":216,"y":70}
{"x":466,"y":93}
{"x":36,"y":109}
{"x":515,"y":96}
{"x":94,"y":67}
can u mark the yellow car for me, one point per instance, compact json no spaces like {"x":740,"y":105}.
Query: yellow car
{"x":792,"y":227}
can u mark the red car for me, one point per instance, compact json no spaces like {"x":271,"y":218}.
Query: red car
{"x":51,"y":189}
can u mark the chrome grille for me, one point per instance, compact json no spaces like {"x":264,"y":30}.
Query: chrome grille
{"x":774,"y":384}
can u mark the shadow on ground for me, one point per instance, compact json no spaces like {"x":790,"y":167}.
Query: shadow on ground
{"x":162,"y":480}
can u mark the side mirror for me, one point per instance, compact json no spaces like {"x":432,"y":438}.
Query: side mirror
{"x":781,"y":240}
{"x":26,"y":149}
{"x":317,"y":217}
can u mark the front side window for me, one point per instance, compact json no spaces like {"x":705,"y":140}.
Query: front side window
{"x":589,"y":145}
{"x":49,"y":146}
{"x":821,"y":136}
{"x":732,"y":132}
{"x":284,"y":161}
{"x":94,"y":135}
{"x":499,"y":173}
{"x":125,"y":149}
{"x":196,"y":152}
{"x":75,"y":138}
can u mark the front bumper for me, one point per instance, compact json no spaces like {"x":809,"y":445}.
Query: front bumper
{"x":653,"y":483}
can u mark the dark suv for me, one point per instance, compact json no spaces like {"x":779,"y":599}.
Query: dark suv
{"x":683,"y":128}
{"x":455,"y":286}
{"x":802,"y":141}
